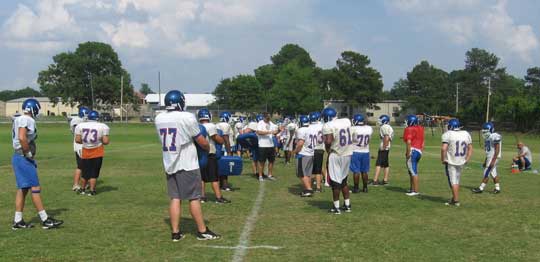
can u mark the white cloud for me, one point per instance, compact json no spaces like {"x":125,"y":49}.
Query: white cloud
{"x":126,"y":33}
{"x":228,"y":12}
{"x":460,"y":30}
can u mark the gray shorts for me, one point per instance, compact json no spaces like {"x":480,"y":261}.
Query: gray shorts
{"x":304,"y":166}
{"x":184,"y":185}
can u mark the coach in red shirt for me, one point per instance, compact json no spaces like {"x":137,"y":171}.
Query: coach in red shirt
{"x":413,"y":136}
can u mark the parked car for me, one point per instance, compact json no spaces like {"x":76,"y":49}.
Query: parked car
{"x":146,"y":119}
{"x":106,"y":117}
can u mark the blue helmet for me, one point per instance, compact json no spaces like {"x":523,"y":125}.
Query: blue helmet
{"x":412,"y":120}
{"x":358,"y":120}
{"x":328,"y":114}
{"x":204,"y":114}
{"x":384,"y":119}
{"x":31,"y":106}
{"x":175,"y":100}
{"x":314,"y":116}
{"x":242,"y":119}
{"x":304,"y":120}
{"x":93,"y":115}
{"x":453,"y":124}
{"x":83,"y":111}
{"x":259,"y":117}
{"x":224,"y":116}
{"x":489,"y":127}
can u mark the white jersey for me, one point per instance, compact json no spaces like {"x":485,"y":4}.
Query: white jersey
{"x":266,"y":140}
{"x":458,"y":142}
{"x":72,"y":124}
{"x":525,"y":150}
{"x":211,"y":130}
{"x":31,"y":131}
{"x":361,"y":135}
{"x":252,"y":126}
{"x":309,"y":136}
{"x":317,"y":127}
{"x":340,"y":129}
{"x":489,"y":145}
{"x":91,"y":133}
{"x":227,"y":131}
{"x":386,"y":130}
{"x":238,"y":129}
{"x":176,"y":131}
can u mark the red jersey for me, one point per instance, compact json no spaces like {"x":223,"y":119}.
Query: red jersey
{"x":416,"y":135}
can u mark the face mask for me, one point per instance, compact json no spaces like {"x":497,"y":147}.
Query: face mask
{"x":485,"y":134}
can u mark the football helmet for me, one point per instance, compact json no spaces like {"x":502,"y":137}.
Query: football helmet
{"x":31,"y":106}
{"x":487,"y":129}
{"x":328,"y":114}
{"x":242,"y":119}
{"x":383,"y":119}
{"x":304,"y":120}
{"x":83,"y":111}
{"x":412,"y":120}
{"x":225,"y":117}
{"x":204,"y":114}
{"x":259,"y":117}
{"x":314,"y":117}
{"x":358,"y":120}
{"x":453,"y":124}
{"x":93,"y":115}
{"x":175,"y":100}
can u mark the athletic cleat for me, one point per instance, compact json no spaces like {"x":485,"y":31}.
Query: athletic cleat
{"x":207,"y":235}
{"x":91,"y":193}
{"x":496,"y":191}
{"x":318,"y":190}
{"x":335,"y":211}
{"x":273,"y":178}
{"x":375,"y":183}
{"x":365,"y":190}
{"x":51,"y":223}
{"x":451,"y":202}
{"x":177,"y":236}
{"x":81,"y":191}
{"x":355,"y":190}
{"x":384,"y":183}
{"x":307,"y":193}
{"x":222,"y":200}
{"x":204,"y":200}
{"x":477,"y":190}
{"x":20,"y":225}
{"x":227,"y":189}
{"x":346,"y":208}
{"x":261,"y":179}
{"x":412,"y":193}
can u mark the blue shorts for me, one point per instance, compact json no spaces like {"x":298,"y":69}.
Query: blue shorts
{"x":254,"y":153}
{"x":527,"y":163}
{"x":25,"y":171}
{"x":359,"y":163}
{"x":412,"y":163}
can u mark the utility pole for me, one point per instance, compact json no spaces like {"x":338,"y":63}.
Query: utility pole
{"x":488,"y":98}
{"x":122,"y":98}
{"x":457,"y":98}
{"x":159,"y":90}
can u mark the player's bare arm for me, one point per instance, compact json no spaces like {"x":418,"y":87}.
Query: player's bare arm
{"x":202,"y":142}
{"x":386,"y":141}
{"x":328,"y":139}
{"x":469,"y":153}
{"x":299,"y":145}
{"x":78,"y":139}
{"x":444,"y":151}
{"x":24,"y":142}
{"x":408,"y":150}
{"x":218,"y":139}
{"x":105,"y":140}
{"x":494,"y":158}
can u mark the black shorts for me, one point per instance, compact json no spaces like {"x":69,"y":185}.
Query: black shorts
{"x":91,"y":167}
{"x":318,"y":161}
{"x":337,"y":184}
{"x":382,"y":158}
{"x":209,"y":173}
{"x":79,"y":162}
{"x":267,"y":153}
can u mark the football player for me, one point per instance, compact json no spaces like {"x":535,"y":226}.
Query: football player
{"x":413,"y":136}
{"x":290,"y":139}
{"x":266,"y":130}
{"x":25,"y":168}
{"x":251,"y":127}
{"x":492,"y":146}
{"x":209,"y":173}
{"x":92,"y":136}
{"x":83,"y":114}
{"x":178,"y":132}
{"x":386,"y":133}
{"x":456,"y":151}
{"x":361,"y":135}
{"x":338,"y":144}
{"x":305,"y":150}
{"x":239,"y":129}
{"x":225,"y":127}
{"x":318,"y":171}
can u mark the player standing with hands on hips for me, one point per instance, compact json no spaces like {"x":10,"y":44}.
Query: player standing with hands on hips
{"x":413,"y":136}
{"x":492,"y":145}
{"x":386,"y":133}
{"x":178,"y":132}
{"x":25,"y":168}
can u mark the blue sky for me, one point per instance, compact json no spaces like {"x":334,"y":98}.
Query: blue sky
{"x":196,"y":43}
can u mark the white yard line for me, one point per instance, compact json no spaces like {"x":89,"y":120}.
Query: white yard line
{"x":242,"y":246}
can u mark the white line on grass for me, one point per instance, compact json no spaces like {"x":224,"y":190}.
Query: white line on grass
{"x":244,"y":247}
{"x":240,"y":252}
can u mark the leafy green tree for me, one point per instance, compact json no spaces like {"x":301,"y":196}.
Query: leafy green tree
{"x":6,"y":95}
{"x":145,"y":89}
{"x":241,"y":92}
{"x":92,"y":71}
{"x":429,"y":90}
{"x":292,"y":52}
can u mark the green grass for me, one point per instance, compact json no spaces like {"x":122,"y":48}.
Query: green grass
{"x":128,"y":219}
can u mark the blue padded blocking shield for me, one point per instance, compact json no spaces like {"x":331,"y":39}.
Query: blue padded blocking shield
{"x":230,"y":166}
{"x":219,"y":148}
{"x":248,"y":140}
{"x":202,"y":154}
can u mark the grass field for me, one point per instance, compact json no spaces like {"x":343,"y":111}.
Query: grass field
{"x":128,"y":219}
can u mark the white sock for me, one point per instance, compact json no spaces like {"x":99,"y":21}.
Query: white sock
{"x":497,"y":186}
{"x":43,"y":215}
{"x":18,"y":217}
{"x":347,"y":202}
{"x":336,"y":204}
{"x":482,"y":186}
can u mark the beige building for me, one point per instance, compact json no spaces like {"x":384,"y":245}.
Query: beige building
{"x":2,"y":108}
{"x":47,"y":107}
{"x":392,"y":108}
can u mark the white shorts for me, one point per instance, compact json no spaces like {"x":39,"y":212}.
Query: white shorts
{"x":338,"y":167}
{"x":453,"y":173}
{"x":490,"y":171}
